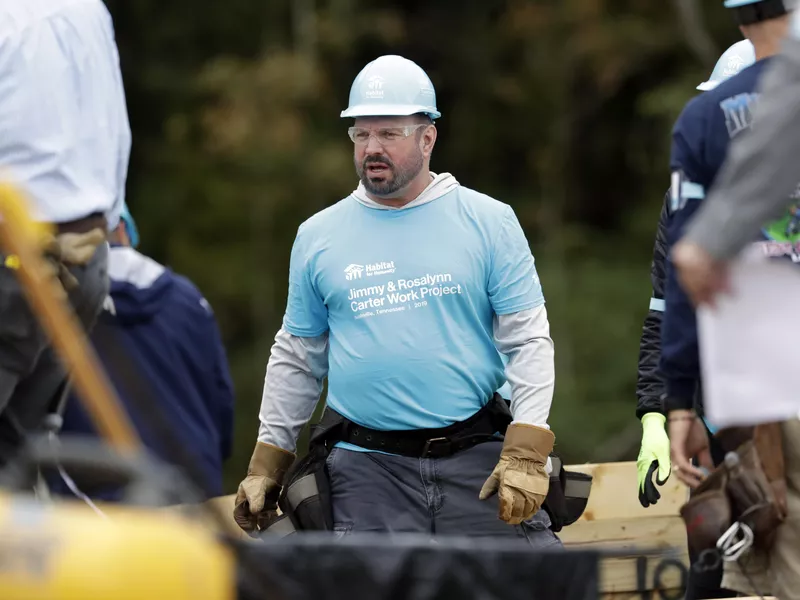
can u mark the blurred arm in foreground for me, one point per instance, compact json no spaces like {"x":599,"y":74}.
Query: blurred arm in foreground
{"x":758,"y":181}
{"x":64,"y":142}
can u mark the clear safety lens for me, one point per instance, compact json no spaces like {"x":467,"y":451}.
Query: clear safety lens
{"x":385,"y":136}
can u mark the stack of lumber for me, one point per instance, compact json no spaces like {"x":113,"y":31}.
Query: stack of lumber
{"x":651,"y":559}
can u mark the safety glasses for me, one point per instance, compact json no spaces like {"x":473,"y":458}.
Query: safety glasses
{"x":386,"y":136}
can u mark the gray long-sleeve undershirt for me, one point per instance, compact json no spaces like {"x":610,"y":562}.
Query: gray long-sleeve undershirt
{"x":762,"y":169}
{"x":297,"y":367}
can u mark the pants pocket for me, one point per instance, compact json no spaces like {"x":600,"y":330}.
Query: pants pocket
{"x":330,"y":461}
{"x":537,"y":532}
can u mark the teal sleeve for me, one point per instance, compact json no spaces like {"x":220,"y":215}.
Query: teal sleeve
{"x":513,"y":282}
{"x":306,"y":313}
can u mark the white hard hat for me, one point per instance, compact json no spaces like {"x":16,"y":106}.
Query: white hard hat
{"x":734,"y":59}
{"x":392,"y":86}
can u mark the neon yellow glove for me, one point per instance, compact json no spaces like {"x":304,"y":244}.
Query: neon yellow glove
{"x":653,"y":455}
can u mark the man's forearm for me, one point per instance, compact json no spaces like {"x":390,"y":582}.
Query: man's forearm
{"x":649,"y":382}
{"x":292,"y":387}
{"x":525,"y":338}
{"x":760,"y":173}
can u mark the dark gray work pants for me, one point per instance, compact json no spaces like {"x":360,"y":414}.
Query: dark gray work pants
{"x":374,"y":492}
{"x":31,"y":375}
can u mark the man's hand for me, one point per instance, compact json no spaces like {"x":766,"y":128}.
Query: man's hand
{"x":653,"y":455}
{"x":688,"y":440}
{"x":701,"y":276}
{"x":519,"y":479}
{"x":256,"y":504}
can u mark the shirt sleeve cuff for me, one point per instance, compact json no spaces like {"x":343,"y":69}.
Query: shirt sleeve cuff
{"x":680,"y":394}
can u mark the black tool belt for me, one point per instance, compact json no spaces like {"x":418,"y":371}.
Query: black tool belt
{"x":305,"y":498}
{"x":483,"y":426}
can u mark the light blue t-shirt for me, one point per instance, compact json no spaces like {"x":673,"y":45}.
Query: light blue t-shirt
{"x":408,"y":298}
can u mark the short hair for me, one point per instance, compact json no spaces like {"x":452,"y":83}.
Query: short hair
{"x":750,"y":14}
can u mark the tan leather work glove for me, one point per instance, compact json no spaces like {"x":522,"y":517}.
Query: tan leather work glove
{"x":256,"y":502}
{"x":520,"y":479}
{"x":62,"y":251}
{"x":69,"y":249}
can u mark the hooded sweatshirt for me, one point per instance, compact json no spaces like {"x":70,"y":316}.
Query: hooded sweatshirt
{"x":167,"y":336}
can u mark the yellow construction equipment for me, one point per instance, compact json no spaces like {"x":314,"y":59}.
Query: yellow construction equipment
{"x":64,"y":551}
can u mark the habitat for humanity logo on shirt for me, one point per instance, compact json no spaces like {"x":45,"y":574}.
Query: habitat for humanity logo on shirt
{"x":396,"y":295}
{"x":355,"y":271}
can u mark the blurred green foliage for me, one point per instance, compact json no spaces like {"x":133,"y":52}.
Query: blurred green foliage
{"x":562,"y":108}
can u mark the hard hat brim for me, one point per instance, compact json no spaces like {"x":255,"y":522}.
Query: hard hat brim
{"x":707,"y":85}
{"x":389,"y":110}
{"x":738,"y":3}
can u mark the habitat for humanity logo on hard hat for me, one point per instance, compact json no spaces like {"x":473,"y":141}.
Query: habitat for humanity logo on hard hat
{"x":740,"y":55}
{"x":375,"y":87}
{"x":392,"y":86}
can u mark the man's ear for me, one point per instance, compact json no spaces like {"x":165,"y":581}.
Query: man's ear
{"x":428,"y":140}
{"x":120,"y":235}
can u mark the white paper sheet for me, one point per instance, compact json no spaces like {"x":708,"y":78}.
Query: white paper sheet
{"x":750,"y":345}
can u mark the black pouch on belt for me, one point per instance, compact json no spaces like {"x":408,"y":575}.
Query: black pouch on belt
{"x":567,"y":495}
{"x":306,"y":496}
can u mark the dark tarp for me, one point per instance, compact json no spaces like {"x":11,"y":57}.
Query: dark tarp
{"x":378,"y":567}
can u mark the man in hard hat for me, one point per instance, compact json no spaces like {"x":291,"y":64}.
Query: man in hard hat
{"x":64,"y":142}
{"x":653,"y":463}
{"x":158,"y":336}
{"x":701,"y":138}
{"x":654,"y":454}
{"x":762,"y":164}
{"x":700,"y":142}
{"x":758,"y":182}
{"x":404,"y":294}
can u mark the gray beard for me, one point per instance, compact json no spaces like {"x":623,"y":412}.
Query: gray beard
{"x":398,"y":182}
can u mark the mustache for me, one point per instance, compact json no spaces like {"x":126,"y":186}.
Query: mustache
{"x":375,"y":159}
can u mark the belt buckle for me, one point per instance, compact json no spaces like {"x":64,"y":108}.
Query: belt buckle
{"x":427,"y":447}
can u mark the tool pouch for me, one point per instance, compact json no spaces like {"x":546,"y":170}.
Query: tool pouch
{"x":306,"y":494}
{"x":768,"y":440}
{"x":305,"y":497}
{"x":749,"y":487}
{"x":567,"y":495}
{"x":752,"y":495}
{"x":708,"y":514}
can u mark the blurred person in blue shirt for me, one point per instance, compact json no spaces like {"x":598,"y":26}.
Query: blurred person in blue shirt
{"x":701,"y":138}
{"x":165,"y":328}
{"x":64,"y":143}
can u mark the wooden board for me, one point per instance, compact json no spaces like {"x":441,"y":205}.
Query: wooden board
{"x":201,"y":517}
{"x":655,"y":536}
{"x":627,"y":534}
{"x":614,"y":493}
{"x":637,"y":574}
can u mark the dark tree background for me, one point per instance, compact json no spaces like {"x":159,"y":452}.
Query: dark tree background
{"x":562,"y":108}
